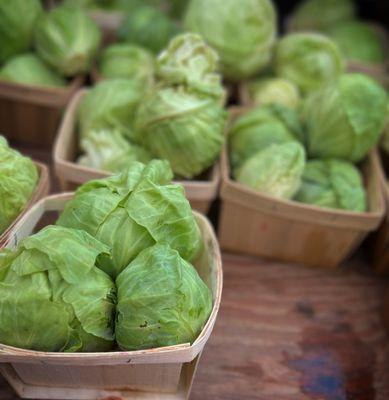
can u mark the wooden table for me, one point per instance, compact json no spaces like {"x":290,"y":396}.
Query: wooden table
{"x":286,"y":332}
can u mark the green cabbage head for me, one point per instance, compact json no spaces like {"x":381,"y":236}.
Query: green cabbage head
{"x":110,"y":105}
{"x":127,"y":61}
{"x":67,"y":39}
{"x":274,"y":90}
{"x":182,"y":127}
{"x":109,"y":151}
{"x":318,"y":15}
{"x":133,"y":211}
{"x":40,"y":285}
{"x":30,"y":70}
{"x":332,"y":183}
{"x":189,"y":61}
{"x":17,"y":22}
{"x":242,"y":32}
{"x":359,"y":41}
{"x":345,"y":119}
{"x":275,"y":171}
{"x":259,"y":128}
{"x":18,"y":180}
{"x":148,"y":27}
{"x":309,"y":60}
{"x":162,"y":301}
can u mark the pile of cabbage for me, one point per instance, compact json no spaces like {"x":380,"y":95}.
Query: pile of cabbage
{"x":170,"y":107}
{"x":115,"y":270}
{"x":45,"y":48}
{"x":358,"y":40}
{"x":311,"y":154}
{"x":18,"y":181}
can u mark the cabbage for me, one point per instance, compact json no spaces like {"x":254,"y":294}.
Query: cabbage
{"x":359,"y":41}
{"x":18,"y":180}
{"x":162,"y":301}
{"x":30,"y":70}
{"x":309,"y":60}
{"x":259,"y":128}
{"x":275,"y":171}
{"x":321,"y":14}
{"x":40,"y":285}
{"x":273,"y":90}
{"x":148,"y":27}
{"x":345,"y":119}
{"x":17,"y":21}
{"x":242,"y":32}
{"x":332,"y":183}
{"x":189,"y":61}
{"x":132,"y":211}
{"x":121,"y":60}
{"x":110,"y":151}
{"x":110,"y":105}
{"x":182,"y":127}
{"x":67,"y":39}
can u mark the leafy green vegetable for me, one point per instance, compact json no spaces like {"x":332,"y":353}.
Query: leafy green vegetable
{"x":359,"y":41}
{"x":332,"y":183}
{"x":261,"y":127}
{"x":274,"y":90}
{"x":122,"y":60}
{"x":110,"y":105}
{"x":242,"y":32}
{"x":148,"y":27}
{"x":53,"y":299}
{"x":309,"y":60}
{"x":345,"y":119}
{"x":30,"y":70}
{"x":133,"y":211}
{"x":189,"y":61}
{"x":18,"y":180}
{"x":276,"y":170}
{"x":162,"y":301}
{"x":17,"y":21}
{"x":182,"y":127}
{"x":67,"y":39}
{"x":321,"y":14}
{"x":110,"y":151}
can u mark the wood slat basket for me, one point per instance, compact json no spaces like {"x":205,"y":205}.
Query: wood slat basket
{"x":163,"y":373}
{"x":108,"y":22}
{"x":257,"y":224}
{"x":42,"y":189}
{"x":200,"y":193}
{"x":29,"y":115}
{"x":377,"y":71}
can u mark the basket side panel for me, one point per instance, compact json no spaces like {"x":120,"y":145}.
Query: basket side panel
{"x":26,"y":123}
{"x":244,"y":230}
{"x":155,"y":377}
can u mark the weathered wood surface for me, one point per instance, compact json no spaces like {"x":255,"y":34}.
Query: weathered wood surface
{"x":291,"y":333}
{"x":286,"y":332}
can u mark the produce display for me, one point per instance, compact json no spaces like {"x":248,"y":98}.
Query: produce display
{"x":358,"y":40}
{"x":18,"y":180}
{"x":43,"y":48}
{"x":116,"y":264}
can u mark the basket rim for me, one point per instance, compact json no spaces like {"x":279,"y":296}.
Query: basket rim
{"x":184,"y":352}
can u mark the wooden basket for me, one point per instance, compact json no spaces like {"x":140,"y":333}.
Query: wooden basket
{"x":29,"y":115}
{"x":42,"y":189}
{"x":70,"y":174}
{"x":108,"y":22}
{"x":154,"y":374}
{"x":257,"y":224}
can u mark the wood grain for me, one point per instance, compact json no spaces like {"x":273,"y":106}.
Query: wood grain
{"x":286,"y":332}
